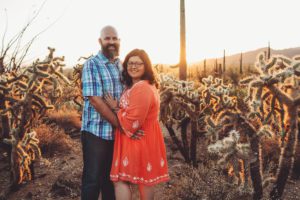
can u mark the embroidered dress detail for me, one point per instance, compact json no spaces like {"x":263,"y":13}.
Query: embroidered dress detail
{"x":162,"y":162}
{"x":125,"y":162}
{"x":149,"y":167}
{"x":135,"y":124}
{"x":124,"y":102}
{"x":124,"y":176}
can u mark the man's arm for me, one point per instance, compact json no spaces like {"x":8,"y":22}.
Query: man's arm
{"x":104,"y":110}
{"x":92,"y":88}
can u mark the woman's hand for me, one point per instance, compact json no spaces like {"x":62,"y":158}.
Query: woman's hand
{"x":111,"y":102}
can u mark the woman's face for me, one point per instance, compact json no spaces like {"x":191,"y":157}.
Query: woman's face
{"x":135,"y":68}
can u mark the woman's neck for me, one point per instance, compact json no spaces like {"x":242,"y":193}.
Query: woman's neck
{"x":134,"y":81}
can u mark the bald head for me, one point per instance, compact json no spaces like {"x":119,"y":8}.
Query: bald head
{"x":110,"y":42}
{"x":108,"y":30}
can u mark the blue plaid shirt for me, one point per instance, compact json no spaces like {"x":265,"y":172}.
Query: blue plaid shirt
{"x":99,"y":76}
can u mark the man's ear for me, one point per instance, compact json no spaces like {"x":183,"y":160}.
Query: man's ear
{"x":100,"y":41}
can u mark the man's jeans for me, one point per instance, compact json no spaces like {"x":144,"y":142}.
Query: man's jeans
{"x":97,"y":159}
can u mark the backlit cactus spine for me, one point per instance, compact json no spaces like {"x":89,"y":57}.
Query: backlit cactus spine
{"x":181,"y":106}
{"x":279,"y":77}
{"x":23,"y":94}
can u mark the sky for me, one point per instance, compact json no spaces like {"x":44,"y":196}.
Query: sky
{"x":211,"y":26}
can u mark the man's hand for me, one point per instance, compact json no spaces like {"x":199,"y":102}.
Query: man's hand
{"x":138,"y":135}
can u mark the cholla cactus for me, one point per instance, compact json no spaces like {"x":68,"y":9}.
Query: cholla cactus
{"x":181,"y":105}
{"x":26,"y":151}
{"x":277,"y":88}
{"x":218,"y":94}
{"x":23,"y":95}
{"x":73,"y":93}
{"x":236,"y":154}
{"x":234,"y":120}
{"x":212,"y":129}
{"x":227,"y":117}
{"x":220,"y":99}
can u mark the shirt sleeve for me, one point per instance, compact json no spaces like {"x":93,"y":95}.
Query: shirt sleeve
{"x":91,"y":80}
{"x":133,"y":116}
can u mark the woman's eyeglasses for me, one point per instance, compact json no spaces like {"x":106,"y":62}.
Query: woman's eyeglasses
{"x":136,"y":64}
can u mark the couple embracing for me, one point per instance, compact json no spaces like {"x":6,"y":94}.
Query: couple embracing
{"x":122,"y":142}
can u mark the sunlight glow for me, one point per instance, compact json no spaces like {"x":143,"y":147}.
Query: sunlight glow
{"x":211,"y":26}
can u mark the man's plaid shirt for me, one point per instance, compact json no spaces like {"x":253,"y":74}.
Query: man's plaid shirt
{"x":99,"y":76}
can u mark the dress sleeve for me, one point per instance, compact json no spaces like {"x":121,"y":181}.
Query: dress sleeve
{"x":91,"y":80}
{"x":133,"y":116}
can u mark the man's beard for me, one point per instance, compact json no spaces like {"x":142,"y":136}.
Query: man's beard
{"x":110,"y":54}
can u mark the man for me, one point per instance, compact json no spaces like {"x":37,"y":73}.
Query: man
{"x":100,"y":75}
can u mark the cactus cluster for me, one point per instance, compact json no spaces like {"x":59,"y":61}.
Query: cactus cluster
{"x":183,"y":103}
{"x":24,"y":97}
{"x":180,"y":107}
{"x":236,"y":136}
{"x":274,"y":96}
{"x":72,"y":97}
{"x":223,"y":133}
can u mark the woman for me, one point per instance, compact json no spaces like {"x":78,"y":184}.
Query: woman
{"x":139,"y":149}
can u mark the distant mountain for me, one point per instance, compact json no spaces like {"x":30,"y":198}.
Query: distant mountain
{"x":249,"y":57}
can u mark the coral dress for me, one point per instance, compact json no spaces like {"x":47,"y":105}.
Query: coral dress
{"x":139,"y":161}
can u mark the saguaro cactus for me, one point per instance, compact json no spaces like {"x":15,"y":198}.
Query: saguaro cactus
{"x":241,"y":63}
{"x":216,"y":68}
{"x":204,"y":67}
{"x":182,"y":62}
{"x":224,"y":62}
{"x":269,"y":51}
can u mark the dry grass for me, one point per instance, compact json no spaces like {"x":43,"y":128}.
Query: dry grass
{"x":70,"y":100}
{"x":65,"y":118}
{"x":53,"y":140}
{"x":189,"y":183}
{"x":270,"y":154}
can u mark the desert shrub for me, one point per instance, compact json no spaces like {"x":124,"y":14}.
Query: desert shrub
{"x":53,"y":140}
{"x":233,"y":76}
{"x":72,"y":98}
{"x":67,"y":119}
{"x":190,"y":183}
{"x":270,"y":154}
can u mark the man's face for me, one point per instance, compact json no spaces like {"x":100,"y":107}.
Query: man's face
{"x":110,"y":43}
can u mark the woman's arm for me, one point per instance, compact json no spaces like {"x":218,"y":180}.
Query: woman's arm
{"x":133,"y":116}
{"x":113,"y":104}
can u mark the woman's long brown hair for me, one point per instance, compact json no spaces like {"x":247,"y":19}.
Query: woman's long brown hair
{"x":149,"y":73}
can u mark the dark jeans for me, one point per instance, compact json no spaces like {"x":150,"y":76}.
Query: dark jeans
{"x":97,"y":159}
